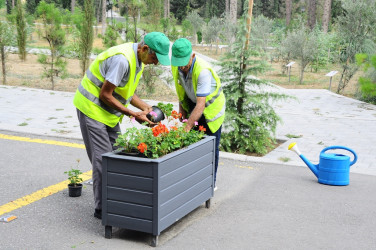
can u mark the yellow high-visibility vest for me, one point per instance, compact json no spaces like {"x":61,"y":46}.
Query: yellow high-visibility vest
{"x":87,"y":99}
{"x":215,"y":105}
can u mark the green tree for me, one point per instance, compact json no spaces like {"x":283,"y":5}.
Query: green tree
{"x":186,"y":28}
{"x":211,"y":31}
{"x":54,"y":65}
{"x":31,"y":6}
{"x":153,"y":12}
{"x":368,"y":82}
{"x":301,"y":44}
{"x":21,"y":30}
{"x":357,"y":31}
{"x":250,"y":121}
{"x":84,"y":21}
{"x":197,"y":23}
{"x":262,"y":29}
{"x":7,"y":38}
{"x":133,"y":9}
{"x":180,"y":9}
{"x":112,"y":34}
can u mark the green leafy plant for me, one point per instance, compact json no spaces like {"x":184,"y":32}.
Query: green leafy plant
{"x":166,"y":108}
{"x":250,"y":121}
{"x":168,"y":136}
{"x":293,"y":136}
{"x":74,"y":175}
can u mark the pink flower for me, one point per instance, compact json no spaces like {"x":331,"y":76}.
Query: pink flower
{"x":133,"y":119}
{"x":185,"y":120}
{"x":196,"y":123}
{"x":153,"y":113}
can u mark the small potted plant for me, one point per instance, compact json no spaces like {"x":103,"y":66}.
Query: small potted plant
{"x":75,"y":185}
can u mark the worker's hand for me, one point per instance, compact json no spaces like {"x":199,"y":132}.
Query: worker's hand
{"x":183,"y":114}
{"x":141,"y":117}
{"x":187,"y":128}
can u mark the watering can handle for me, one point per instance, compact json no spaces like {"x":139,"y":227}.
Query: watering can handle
{"x":342,"y":147}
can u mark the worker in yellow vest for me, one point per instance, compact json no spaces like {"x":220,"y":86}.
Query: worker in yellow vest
{"x":105,"y":92}
{"x":201,"y":99}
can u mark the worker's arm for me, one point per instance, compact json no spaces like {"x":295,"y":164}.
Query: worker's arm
{"x":196,"y":113}
{"x":140,"y":104}
{"x":182,"y":112}
{"x":107,"y":97}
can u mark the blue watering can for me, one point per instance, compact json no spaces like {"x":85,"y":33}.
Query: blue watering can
{"x":333,"y":169}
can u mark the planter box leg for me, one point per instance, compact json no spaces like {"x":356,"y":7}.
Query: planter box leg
{"x":207,"y":203}
{"x":154,"y":240}
{"x":108,"y":232}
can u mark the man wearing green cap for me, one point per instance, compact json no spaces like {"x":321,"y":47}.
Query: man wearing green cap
{"x":105,"y":92}
{"x":198,"y":87}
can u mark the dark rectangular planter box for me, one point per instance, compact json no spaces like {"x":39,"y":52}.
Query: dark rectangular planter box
{"x":149,"y":195}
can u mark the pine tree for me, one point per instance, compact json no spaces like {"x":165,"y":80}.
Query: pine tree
{"x":250,"y":121}
{"x":54,"y":65}
{"x":86,"y":34}
{"x":7,"y":38}
{"x":21,"y":30}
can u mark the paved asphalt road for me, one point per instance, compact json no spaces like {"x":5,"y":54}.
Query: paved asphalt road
{"x":261,"y":203}
{"x":257,"y":206}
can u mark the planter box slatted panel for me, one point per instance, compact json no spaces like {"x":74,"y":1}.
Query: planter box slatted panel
{"x":130,"y":182}
{"x":188,"y":195}
{"x":184,"y":210}
{"x":180,"y":187}
{"x":131,"y":223}
{"x":150,"y":195}
{"x":133,"y":210}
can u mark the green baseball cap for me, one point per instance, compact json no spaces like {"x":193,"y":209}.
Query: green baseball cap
{"x":181,"y":52}
{"x":159,"y":42}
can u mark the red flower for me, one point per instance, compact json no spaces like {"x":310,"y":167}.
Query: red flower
{"x":160,"y":128}
{"x":176,"y":115}
{"x":142,"y":147}
{"x":174,"y":128}
{"x":201,"y":128}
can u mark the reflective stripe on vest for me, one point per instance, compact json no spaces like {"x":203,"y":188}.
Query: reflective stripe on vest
{"x":222,"y":112}
{"x":214,"y":97}
{"x":99,"y":83}
{"x":214,"y":115}
{"x":87,"y":95}
{"x":97,"y":101}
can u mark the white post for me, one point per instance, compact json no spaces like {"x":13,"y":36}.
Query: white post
{"x":289,"y":68}
{"x":331,"y":74}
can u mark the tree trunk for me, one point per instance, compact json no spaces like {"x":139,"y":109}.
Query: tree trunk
{"x":2,"y":52}
{"x":233,"y":10}
{"x":242,"y":84}
{"x":288,"y":11}
{"x":166,"y":8}
{"x":12,"y":4}
{"x":104,"y":14}
{"x":311,"y":14}
{"x":135,"y":28}
{"x":73,"y":3}
{"x":326,"y":15}
{"x":301,"y":74}
{"x":52,"y":69}
{"x":227,"y":7}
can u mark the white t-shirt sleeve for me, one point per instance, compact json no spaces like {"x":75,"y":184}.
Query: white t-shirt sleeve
{"x":204,"y":83}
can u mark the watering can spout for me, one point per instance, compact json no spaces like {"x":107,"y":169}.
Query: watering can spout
{"x":314,"y":168}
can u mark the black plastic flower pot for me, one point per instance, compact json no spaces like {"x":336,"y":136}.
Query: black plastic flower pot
{"x":75,"y":190}
{"x":159,"y":115}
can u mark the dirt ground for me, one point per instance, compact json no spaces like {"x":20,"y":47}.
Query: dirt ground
{"x":311,"y":80}
{"x":28,"y":74}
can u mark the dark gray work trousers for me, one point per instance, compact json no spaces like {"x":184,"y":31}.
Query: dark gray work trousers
{"x":98,"y":139}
